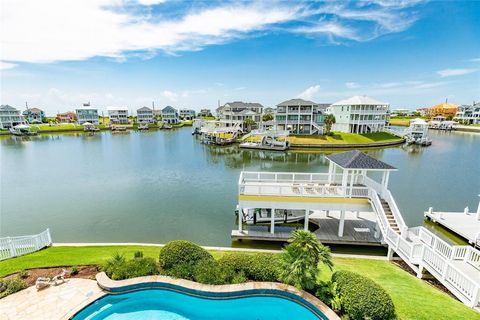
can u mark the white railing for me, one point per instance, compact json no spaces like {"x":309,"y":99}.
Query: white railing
{"x":287,"y":177}
{"x":16,"y":246}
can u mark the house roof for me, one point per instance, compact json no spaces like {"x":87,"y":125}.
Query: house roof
{"x":7,"y":107}
{"x":358,"y":100}
{"x":144,"y":109}
{"x":169,"y":109}
{"x":445,"y":105}
{"x":297,"y":102}
{"x":358,"y":160}
{"x":34,"y":110}
{"x":117,"y":109}
{"x":240,"y":104}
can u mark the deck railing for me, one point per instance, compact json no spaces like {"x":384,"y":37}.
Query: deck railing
{"x":16,"y":246}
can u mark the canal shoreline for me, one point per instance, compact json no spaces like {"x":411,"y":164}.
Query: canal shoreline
{"x":349,"y":146}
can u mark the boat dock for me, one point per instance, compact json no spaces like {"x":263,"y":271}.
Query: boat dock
{"x":465,"y":224}
{"x":359,"y":229}
{"x":252,"y":145}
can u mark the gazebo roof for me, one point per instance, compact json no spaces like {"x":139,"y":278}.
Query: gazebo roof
{"x":358,"y":160}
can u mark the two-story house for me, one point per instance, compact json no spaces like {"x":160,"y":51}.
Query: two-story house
{"x":233,"y":112}
{"x":187,"y":114}
{"x":34,"y":115}
{"x":145,"y":115}
{"x":300,"y":116}
{"x":87,"y":114}
{"x":118,"y":115}
{"x":10,"y":117}
{"x":170,"y":115}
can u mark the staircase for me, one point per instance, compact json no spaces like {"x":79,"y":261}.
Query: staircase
{"x":390,"y":218}
{"x":317,"y":129}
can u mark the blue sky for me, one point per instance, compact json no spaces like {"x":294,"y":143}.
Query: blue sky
{"x":58,"y":54}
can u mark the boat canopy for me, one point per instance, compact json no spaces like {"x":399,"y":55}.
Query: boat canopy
{"x":22,"y":127}
{"x":87,"y":124}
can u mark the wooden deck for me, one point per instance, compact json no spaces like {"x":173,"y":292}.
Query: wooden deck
{"x":357,"y":231}
{"x":464,"y":225}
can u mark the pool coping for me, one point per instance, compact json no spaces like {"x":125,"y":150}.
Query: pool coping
{"x":228,"y":291}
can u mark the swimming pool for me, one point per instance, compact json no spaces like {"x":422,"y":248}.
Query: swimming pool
{"x":161,"y":304}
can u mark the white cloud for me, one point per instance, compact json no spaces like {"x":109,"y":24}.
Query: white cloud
{"x":59,"y":30}
{"x":310,"y":92}
{"x":454,"y":72}
{"x":6,"y":65}
{"x":170,"y":95}
{"x":352,"y":85}
{"x":475,"y":60}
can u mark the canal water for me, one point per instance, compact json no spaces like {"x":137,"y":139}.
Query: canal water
{"x":163,"y":185}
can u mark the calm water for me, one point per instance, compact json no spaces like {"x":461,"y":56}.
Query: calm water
{"x":163,"y":185}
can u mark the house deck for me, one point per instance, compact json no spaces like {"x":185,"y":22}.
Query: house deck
{"x":465,"y":225}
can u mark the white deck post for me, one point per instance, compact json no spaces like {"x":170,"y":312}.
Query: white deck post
{"x":330,"y":171}
{"x":272,"y":221}
{"x":390,"y":253}
{"x":386,"y":180}
{"x":344,"y":181}
{"x":327,"y":213}
{"x":342,"y":223}
{"x":240,"y":220}
{"x":352,"y":176}
{"x":307,"y":213}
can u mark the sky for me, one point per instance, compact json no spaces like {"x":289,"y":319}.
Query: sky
{"x":59,"y":54}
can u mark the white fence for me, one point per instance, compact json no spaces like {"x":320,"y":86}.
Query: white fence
{"x":11,"y":247}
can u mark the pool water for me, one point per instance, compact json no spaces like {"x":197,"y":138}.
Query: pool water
{"x":157,"y":304}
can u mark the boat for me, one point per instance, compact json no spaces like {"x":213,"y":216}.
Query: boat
{"x":166,"y":126}
{"x":143,"y":126}
{"x":22,"y":130}
{"x":257,"y":215}
{"x":417,"y":133}
{"x":89,"y":127}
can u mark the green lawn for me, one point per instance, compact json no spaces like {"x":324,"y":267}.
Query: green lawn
{"x":344,"y":138}
{"x":60,"y":127}
{"x":413,"y":298}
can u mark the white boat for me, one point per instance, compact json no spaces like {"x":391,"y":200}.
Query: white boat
{"x":257,"y":215}
{"x":22,"y":130}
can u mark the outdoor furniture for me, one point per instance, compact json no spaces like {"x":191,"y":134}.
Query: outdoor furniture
{"x":60,"y":278}
{"x":296,"y":188}
{"x":42,"y":282}
{"x":309,"y":188}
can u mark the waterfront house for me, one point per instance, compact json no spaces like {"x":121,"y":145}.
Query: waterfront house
{"x":87,"y":114}
{"x":205,"y":113}
{"x":187,"y":114}
{"x":66,"y":117}
{"x":118,"y":115}
{"x":34,"y":115}
{"x":468,"y":114}
{"x":145,"y":115}
{"x":359,"y":114}
{"x":170,"y":115}
{"x":10,"y":117}
{"x":300,"y":117}
{"x":445,"y":109}
{"x":232,"y":112}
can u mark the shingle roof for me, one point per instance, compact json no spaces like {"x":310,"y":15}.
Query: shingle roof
{"x":169,"y":109}
{"x":144,"y":109}
{"x":7,"y":107}
{"x":358,"y":160}
{"x":240,"y":104}
{"x":359,"y":100}
{"x":297,"y":102}
{"x":35,"y":110}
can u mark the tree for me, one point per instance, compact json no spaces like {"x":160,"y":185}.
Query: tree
{"x":249,"y":122}
{"x":267,"y":117}
{"x":301,"y":260}
{"x":329,"y":121}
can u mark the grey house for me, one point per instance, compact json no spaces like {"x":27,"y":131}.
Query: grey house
{"x":170,"y":115}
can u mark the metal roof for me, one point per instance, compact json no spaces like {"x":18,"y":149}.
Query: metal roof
{"x":144,"y":109}
{"x":358,"y":160}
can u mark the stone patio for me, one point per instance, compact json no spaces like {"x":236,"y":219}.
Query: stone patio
{"x":55,"y":302}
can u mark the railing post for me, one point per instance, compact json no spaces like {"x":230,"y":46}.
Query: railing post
{"x":49,"y":236}
{"x":11,"y":246}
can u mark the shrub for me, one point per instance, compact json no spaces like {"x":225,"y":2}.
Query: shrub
{"x":362,"y":298}
{"x":209,"y":272}
{"x":182,"y":252}
{"x":74,"y":271}
{"x":256,"y":267}
{"x":138,"y":254}
{"x":23,"y":274}
{"x":10,"y":286}
{"x":118,"y":268}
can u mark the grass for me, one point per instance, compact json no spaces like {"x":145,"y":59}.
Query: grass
{"x":61,"y":127}
{"x":399,"y":122}
{"x":344,"y":138}
{"x":413,"y":298}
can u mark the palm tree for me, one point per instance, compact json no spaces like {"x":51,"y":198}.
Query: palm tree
{"x":249,"y":122}
{"x":329,"y":121}
{"x":267,"y":117}
{"x":301,"y":260}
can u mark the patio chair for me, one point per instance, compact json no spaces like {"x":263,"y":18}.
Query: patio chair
{"x":59,"y":278}
{"x":296,"y":188}
{"x":310,"y":188}
{"x":42,"y":282}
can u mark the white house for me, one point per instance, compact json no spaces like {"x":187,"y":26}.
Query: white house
{"x":10,"y":117}
{"x":359,"y":114}
{"x":118,"y":115}
{"x":145,"y":115}
{"x":467,"y":114}
{"x":87,"y":114}
{"x":233,"y":112}
{"x":205,"y":113}
{"x":300,"y":117}
{"x":187,"y":114}
{"x":170,"y":115}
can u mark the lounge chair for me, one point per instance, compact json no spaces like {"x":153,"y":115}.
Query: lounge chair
{"x":42,"y":282}
{"x":309,"y":187}
{"x":59,"y":278}
{"x":296,"y":188}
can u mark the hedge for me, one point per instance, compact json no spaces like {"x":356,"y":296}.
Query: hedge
{"x":178,"y":258}
{"x":256,"y":267}
{"x":362,"y":298}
